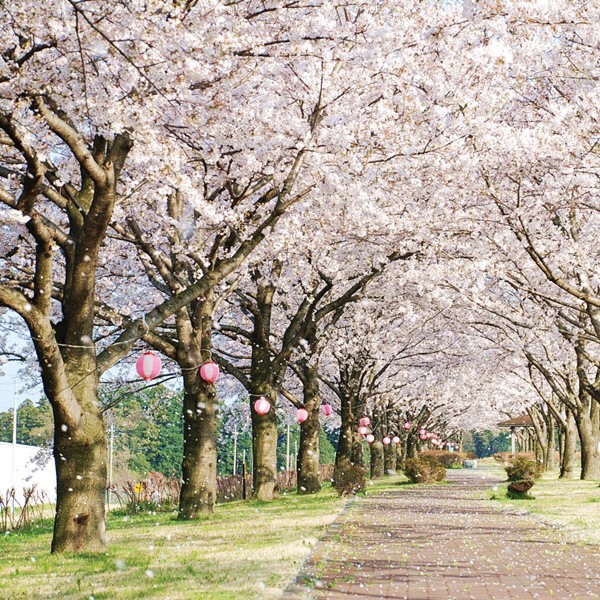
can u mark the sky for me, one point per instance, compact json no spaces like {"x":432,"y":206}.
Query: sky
{"x":7,"y":386}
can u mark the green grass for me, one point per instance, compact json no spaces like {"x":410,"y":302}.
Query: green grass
{"x":247,"y":550}
{"x":567,"y":503}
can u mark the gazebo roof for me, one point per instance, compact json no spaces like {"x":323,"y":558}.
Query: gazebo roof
{"x":522,"y":421}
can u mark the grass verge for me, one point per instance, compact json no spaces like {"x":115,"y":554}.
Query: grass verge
{"x":571,"y":504}
{"x":247,"y":550}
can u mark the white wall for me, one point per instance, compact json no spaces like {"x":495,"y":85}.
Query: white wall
{"x":32,"y":465}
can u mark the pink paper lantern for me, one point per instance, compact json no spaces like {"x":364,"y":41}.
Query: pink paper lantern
{"x":423,"y":437}
{"x":209,"y":371}
{"x":370,"y":438}
{"x":327,"y":410}
{"x":386,"y":441}
{"x":407,"y":425}
{"x":422,"y":431}
{"x":396,"y":439}
{"x":262,"y":406}
{"x":302,"y":415}
{"x":365,"y":421}
{"x":148,"y":366}
{"x":363,"y":430}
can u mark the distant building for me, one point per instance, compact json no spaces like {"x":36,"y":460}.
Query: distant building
{"x":33,"y":465}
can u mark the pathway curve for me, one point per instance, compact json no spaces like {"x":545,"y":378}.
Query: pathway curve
{"x":444,"y":542}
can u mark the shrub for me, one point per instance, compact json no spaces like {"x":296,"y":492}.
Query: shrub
{"x":424,"y":469}
{"x":450,"y":460}
{"x":521,"y":468}
{"x":349,"y":479}
{"x":505,"y":458}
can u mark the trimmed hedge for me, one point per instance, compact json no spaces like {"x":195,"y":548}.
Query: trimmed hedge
{"x":448,"y":459}
{"x":424,"y":469}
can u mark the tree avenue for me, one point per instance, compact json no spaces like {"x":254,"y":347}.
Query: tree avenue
{"x":386,"y":205}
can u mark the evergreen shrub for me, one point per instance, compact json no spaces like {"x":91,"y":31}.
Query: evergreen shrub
{"x":349,"y":479}
{"x":450,"y":460}
{"x":521,"y":468}
{"x":424,"y":469}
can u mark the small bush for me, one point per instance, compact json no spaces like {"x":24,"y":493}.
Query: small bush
{"x":521,"y":468}
{"x":470,"y":463}
{"x":424,"y":469}
{"x":349,"y":480}
{"x":505,"y":458}
{"x":450,"y":460}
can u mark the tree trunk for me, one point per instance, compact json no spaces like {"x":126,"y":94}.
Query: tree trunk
{"x":308,"y":452}
{"x":80,"y":455}
{"x":551,"y":444}
{"x":569,"y":447}
{"x":349,"y":448}
{"x":199,"y":488}
{"x":389,"y":459}
{"x":199,"y":466}
{"x":377,"y":463}
{"x":412,"y":445}
{"x":264,"y":452}
{"x":590,"y":457}
{"x":400,"y":450}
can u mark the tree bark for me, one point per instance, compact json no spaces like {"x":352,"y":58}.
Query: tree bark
{"x":412,"y":445}
{"x":377,"y":469}
{"x":308,"y":452}
{"x":588,"y":437}
{"x":551,"y":443}
{"x":264,"y":450}
{"x":80,"y":455}
{"x":199,"y":466}
{"x":349,"y":449}
{"x":389,"y":459}
{"x":199,"y":488}
{"x":569,"y":447}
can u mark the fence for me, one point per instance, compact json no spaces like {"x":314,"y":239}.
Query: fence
{"x":159,"y":491}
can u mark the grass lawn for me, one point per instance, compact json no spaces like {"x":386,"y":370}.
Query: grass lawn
{"x":247,"y":550}
{"x":571,"y":504}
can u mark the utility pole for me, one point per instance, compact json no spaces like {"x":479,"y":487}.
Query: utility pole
{"x":235,"y":437}
{"x":14,"y":444}
{"x":111,"y":446}
{"x":287,"y":452}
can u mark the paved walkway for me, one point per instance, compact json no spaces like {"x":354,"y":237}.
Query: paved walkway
{"x":440,"y":542}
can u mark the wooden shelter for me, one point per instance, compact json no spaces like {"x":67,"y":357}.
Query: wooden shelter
{"x":523,"y":421}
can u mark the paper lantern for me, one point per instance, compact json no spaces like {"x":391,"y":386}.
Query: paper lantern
{"x":396,"y":439}
{"x":327,"y":410}
{"x":148,"y":365}
{"x":370,"y":438}
{"x":302,"y":415}
{"x":407,"y":425}
{"x":422,"y":431}
{"x":262,"y":406}
{"x":362,"y":430}
{"x":365,"y":421}
{"x":209,"y":371}
{"x":386,"y":441}
{"x":423,"y":437}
